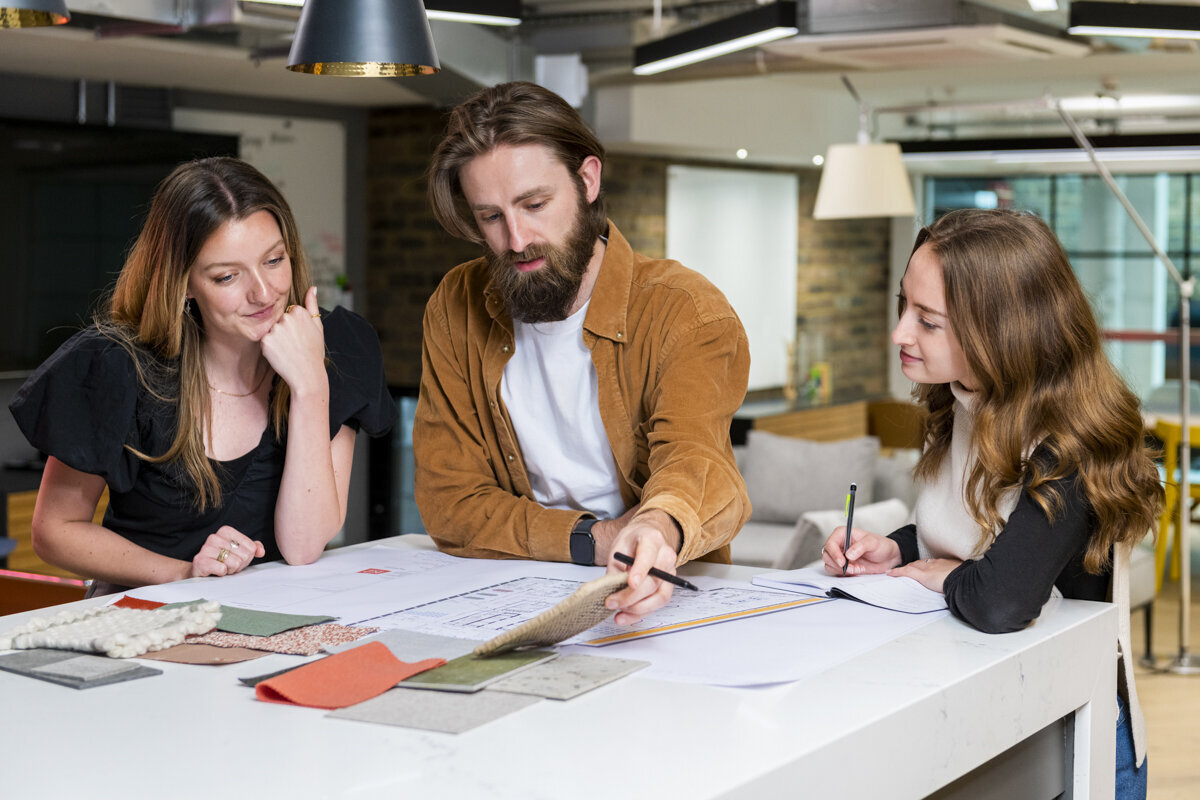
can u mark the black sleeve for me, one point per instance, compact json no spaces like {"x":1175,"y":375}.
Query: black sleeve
{"x":358,"y":391}
{"x":80,"y":406}
{"x":1005,"y":589}
{"x":906,"y":537}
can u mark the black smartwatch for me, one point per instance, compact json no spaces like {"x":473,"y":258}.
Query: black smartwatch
{"x":583,"y":544}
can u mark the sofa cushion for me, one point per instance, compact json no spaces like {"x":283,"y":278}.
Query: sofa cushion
{"x":814,"y":528}
{"x":759,"y":544}
{"x":786,"y":476}
{"x":894,"y":476}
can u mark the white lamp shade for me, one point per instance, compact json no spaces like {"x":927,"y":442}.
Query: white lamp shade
{"x":864,"y":180}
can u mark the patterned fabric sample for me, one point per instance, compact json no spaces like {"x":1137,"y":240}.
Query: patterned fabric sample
{"x":341,"y":680}
{"x":300,"y":641}
{"x":567,"y":676}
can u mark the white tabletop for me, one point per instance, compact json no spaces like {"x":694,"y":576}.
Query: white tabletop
{"x":900,"y":721}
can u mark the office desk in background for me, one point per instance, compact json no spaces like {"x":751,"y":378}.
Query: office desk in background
{"x":1026,"y":714}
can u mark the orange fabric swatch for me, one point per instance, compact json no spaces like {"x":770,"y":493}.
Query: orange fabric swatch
{"x":343,"y":679}
{"x":128,"y":601}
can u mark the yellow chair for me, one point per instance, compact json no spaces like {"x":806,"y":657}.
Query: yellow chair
{"x":1171,"y":434}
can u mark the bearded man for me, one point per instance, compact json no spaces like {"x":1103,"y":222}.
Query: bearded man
{"x":575,"y":396}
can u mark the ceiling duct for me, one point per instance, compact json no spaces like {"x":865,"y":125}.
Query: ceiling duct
{"x":475,"y":56}
{"x":906,"y":34}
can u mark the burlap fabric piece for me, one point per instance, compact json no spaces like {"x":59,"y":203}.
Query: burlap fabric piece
{"x":583,"y":609}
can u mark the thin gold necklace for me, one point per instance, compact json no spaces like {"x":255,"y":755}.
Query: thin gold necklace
{"x":257,"y":386}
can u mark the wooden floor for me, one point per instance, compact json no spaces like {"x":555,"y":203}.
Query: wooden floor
{"x":1172,"y":702}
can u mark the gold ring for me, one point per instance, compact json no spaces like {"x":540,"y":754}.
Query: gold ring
{"x":315,"y":316}
{"x":221,"y":556}
{"x":288,"y":310}
{"x":233,"y":543}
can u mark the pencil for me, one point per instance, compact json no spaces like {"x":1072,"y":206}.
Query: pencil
{"x":849,"y":524}
{"x":658,"y":573}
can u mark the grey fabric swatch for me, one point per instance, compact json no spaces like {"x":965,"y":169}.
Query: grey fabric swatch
{"x":447,"y":712}
{"x":410,"y":646}
{"x":567,"y":676}
{"x":69,"y":668}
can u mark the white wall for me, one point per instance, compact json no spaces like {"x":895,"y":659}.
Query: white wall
{"x":738,"y":228}
{"x":306,"y":159}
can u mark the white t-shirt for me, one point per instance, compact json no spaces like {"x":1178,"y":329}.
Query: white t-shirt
{"x":549,"y":388}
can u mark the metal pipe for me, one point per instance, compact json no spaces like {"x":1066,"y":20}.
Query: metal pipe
{"x":1184,"y":663}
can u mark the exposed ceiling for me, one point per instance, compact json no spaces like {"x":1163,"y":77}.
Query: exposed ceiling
{"x":897,"y":51}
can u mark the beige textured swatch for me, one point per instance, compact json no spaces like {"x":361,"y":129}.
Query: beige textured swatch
{"x":582,"y":610}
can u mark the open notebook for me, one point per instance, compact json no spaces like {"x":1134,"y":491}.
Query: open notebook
{"x":885,"y":591}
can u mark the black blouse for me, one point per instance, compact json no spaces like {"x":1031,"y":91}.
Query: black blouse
{"x":1005,"y":589}
{"x":86,"y":407}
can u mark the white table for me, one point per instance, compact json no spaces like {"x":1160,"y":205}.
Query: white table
{"x":904,"y":720}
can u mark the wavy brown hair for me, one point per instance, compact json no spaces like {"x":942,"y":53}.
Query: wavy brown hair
{"x":147,"y":313}
{"x":510,"y":114}
{"x":1034,"y":349}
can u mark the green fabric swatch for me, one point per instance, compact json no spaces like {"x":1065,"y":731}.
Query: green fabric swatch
{"x":470,"y":673}
{"x":263,"y":623}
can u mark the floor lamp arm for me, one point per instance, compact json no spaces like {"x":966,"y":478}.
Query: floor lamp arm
{"x":1184,"y":663}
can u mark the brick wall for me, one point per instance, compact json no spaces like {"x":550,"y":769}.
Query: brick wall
{"x":407,"y":250}
{"x":842,"y":269}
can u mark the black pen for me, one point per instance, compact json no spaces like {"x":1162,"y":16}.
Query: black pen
{"x":658,"y":573}
{"x":849,"y":523}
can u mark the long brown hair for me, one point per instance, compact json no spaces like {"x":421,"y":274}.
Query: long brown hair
{"x":511,"y":114}
{"x":147,"y":312}
{"x":1034,"y":348}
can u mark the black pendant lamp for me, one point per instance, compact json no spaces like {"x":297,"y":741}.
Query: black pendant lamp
{"x":32,"y":13}
{"x":363,"y":38}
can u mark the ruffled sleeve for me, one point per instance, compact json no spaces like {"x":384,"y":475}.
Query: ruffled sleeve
{"x":358,"y":392}
{"x":80,"y":406}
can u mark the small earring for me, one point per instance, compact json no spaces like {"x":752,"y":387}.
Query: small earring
{"x":187,"y":306}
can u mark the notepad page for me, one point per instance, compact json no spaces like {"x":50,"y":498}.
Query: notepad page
{"x":895,"y":593}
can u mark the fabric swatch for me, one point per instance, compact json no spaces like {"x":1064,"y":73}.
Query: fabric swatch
{"x":575,"y":614}
{"x":255,"y":680}
{"x":115,"y":632}
{"x":343,"y":679}
{"x":567,"y":676}
{"x":72,"y":669}
{"x":136,"y":602}
{"x":413,"y":646}
{"x":204,"y":654}
{"x":300,"y":641}
{"x":448,"y":712}
{"x":263,"y":623}
{"x":470,"y":673}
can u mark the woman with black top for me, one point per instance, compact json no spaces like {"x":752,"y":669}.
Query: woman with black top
{"x":214,"y":400}
{"x":1035,"y":478}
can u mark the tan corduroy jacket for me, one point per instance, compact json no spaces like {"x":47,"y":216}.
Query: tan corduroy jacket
{"x":672,"y":362}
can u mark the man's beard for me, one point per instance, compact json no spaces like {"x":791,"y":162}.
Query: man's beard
{"x":546,"y":294}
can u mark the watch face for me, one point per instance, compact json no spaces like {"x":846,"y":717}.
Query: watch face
{"x":583,"y":545}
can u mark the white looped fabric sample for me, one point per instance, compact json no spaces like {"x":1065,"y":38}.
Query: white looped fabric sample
{"x":116,"y":632}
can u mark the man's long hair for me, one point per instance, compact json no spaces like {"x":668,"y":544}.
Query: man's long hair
{"x":512,"y":114}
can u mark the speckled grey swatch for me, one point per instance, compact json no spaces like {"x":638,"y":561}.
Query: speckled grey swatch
{"x":567,"y":676}
{"x":448,"y":712}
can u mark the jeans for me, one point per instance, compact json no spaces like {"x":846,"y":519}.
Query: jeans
{"x":1131,"y":781}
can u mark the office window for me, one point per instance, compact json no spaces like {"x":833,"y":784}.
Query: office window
{"x":1134,"y":298}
